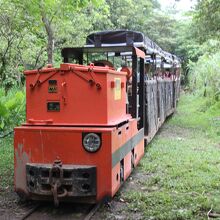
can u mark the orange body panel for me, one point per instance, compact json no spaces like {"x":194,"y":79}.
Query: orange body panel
{"x":40,"y":144}
{"x":85,"y":96}
{"x":44,"y":145}
{"x":115,"y":179}
{"x":138,"y":152}
{"x":127,"y":165}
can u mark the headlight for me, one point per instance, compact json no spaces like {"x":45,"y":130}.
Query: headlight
{"x":92,"y":142}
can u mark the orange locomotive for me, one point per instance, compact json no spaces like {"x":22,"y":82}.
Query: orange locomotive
{"x":83,"y":133}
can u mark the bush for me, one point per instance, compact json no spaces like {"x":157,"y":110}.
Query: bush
{"x":12,"y":108}
{"x":205,"y":76}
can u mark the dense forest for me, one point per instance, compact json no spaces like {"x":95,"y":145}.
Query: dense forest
{"x":33,"y":32}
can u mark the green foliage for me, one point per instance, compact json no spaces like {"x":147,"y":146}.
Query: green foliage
{"x":161,"y":28}
{"x":12,"y":109}
{"x":6,"y":163}
{"x":28,"y":29}
{"x":11,"y":28}
{"x":207,"y":18}
{"x":200,"y":115}
{"x":123,"y":12}
{"x":199,"y":41}
{"x":205,"y":76}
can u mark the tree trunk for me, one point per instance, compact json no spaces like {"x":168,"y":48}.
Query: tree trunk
{"x":50,"y":38}
{"x":2,"y":71}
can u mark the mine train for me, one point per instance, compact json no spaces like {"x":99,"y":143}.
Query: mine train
{"x":88,"y":121}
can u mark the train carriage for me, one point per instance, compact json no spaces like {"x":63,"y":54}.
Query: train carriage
{"x":87,"y":121}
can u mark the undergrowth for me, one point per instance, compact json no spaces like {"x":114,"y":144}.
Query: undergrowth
{"x":6,"y":163}
{"x":12,"y":109}
{"x":12,"y":113}
{"x":204,"y":77}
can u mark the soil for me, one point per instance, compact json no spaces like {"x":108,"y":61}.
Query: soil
{"x":11,"y":207}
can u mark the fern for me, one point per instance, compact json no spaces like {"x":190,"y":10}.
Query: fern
{"x":12,"y":108}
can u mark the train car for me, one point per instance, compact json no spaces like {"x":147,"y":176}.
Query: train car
{"x":87,"y":121}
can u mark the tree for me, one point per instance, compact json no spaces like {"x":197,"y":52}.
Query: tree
{"x":11,"y":36}
{"x":130,"y":14}
{"x":162,"y":29}
{"x":207,"y":18}
{"x":49,"y":14}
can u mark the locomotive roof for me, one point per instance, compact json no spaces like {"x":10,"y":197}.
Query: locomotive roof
{"x":117,"y":38}
{"x":125,"y":38}
{"x":122,"y":38}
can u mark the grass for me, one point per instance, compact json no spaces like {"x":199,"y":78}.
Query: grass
{"x":6,"y":163}
{"x":183,"y":163}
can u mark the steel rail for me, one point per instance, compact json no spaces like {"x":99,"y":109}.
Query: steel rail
{"x":36,"y":210}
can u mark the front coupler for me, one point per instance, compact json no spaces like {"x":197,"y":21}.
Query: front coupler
{"x":60,"y":181}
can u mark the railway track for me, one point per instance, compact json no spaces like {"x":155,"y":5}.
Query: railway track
{"x":66,"y":211}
